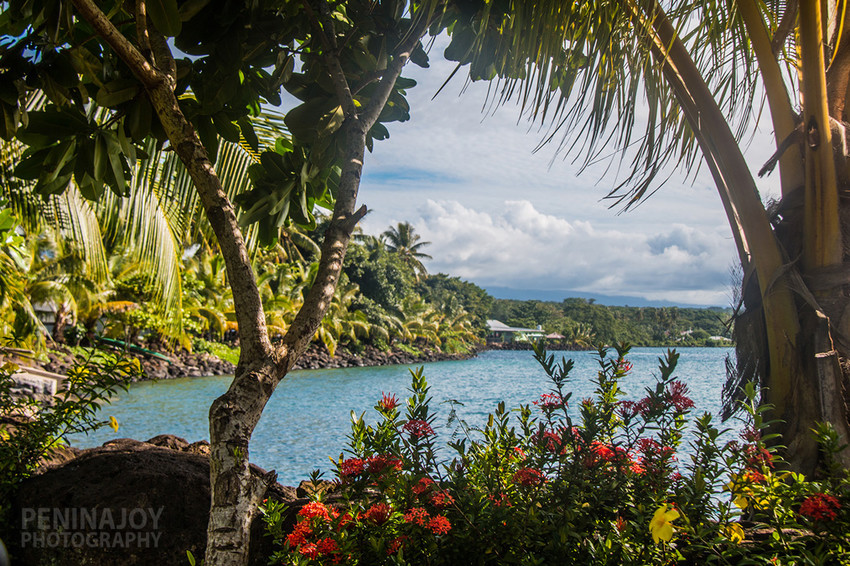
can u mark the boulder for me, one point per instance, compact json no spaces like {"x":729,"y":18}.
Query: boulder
{"x":126,"y":502}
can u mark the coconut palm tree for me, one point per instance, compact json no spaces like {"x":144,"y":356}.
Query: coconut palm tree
{"x":671,"y":84}
{"x":403,"y":240}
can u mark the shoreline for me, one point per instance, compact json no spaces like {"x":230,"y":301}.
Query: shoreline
{"x":202,"y":364}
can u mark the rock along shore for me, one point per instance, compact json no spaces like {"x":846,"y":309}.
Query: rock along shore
{"x":187,"y":364}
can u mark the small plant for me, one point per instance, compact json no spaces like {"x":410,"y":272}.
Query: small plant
{"x":600,"y":481}
{"x":31,"y":431}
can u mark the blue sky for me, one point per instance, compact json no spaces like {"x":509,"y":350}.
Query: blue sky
{"x":498,"y":214}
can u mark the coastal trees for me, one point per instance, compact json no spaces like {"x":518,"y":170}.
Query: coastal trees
{"x":127,"y":59}
{"x":668,"y":84}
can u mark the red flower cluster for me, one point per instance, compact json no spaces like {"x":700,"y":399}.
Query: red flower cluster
{"x":550,"y":402}
{"x":351,"y":467}
{"x":299,"y":534}
{"x":529,"y":477}
{"x":820,"y":507}
{"x":396,"y":544}
{"x":418,"y":428}
{"x":315,"y":509}
{"x":388,"y":402}
{"x":624,"y":366}
{"x":439,"y":525}
{"x":600,"y":453}
{"x":551,"y":442}
{"x":423,"y":485}
{"x":677,"y":394}
{"x":382,"y":462}
{"x":628,"y":409}
{"x":500,"y":500}
{"x":417,"y":516}
{"x":303,"y":531}
{"x":379,"y":513}
{"x":442,"y":500}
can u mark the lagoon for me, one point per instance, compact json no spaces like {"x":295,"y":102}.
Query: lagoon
{"x":309,"y":416}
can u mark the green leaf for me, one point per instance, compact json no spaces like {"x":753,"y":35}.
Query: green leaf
{"x":8,"y":91}
{"x":189,"y":10}
{"x":57,"y":124}
{"x":208,"y":135}
{"x":246,"y":128}
{"x":419,"y":57}
{"x":99,"y":159}
{"x":139,"y":118}
{"x":9,"y":122}
{"x":32,"y":165}
{"x":275,"y":166}
{"x":165,"y":16}
{"x":226,"y":128}
{"x":117,"y":92}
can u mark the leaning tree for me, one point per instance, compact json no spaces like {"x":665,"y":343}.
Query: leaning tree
{"x":668,"y":82}
{"x":120,"y":75}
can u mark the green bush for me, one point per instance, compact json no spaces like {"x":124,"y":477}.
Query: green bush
{"x":608,"y":487}
{"x":30,"y":431}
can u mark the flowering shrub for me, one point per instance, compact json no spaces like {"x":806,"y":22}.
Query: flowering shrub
{"x":606,"y":485}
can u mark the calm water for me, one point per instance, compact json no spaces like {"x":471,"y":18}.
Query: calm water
{"x":307,"y":419}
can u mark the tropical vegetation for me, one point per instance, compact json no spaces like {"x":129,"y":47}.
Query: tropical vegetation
{"x":602,"y":480}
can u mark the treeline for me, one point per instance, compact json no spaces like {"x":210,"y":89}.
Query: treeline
{"x":584,"y":323}
{"x":51,"y":295}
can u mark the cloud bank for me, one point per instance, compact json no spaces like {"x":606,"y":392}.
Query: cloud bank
{"x":519,"y":246}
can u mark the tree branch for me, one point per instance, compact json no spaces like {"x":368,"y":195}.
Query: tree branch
{"x":370,"y":113}
{"x":331,"y":57}
{"x":134,"y":59}
{"x":142,"y":27}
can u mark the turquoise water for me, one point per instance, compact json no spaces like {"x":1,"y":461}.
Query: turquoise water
{"x":308,"y":417}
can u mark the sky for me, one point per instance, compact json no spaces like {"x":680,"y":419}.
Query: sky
{"x":498,"y":214}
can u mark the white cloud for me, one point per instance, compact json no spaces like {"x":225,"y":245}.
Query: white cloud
{"x":519,"y":246}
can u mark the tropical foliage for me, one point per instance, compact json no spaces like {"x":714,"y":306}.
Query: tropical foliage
{"x":604,"y":480}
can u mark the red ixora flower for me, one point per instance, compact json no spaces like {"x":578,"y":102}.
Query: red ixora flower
{"x":550,"y":402}
{"x":396,"y":544}
{"x":678,"y":396}
{"x":299,"y":534}
{"x":417,"y":516}
{"x":820,"y":507}
{"x":423,"y":485}
{"x":315,"y":509}
{"x":624,"y":366}
{"x":388,"y":402}
{"x":381,"y":463}
{"x":442,"y":500}
{"x":327,"y":546}
{"x":351,"y":467}
{"x":529,"y":477}
{"x":417,"y":428}
{"x":379,"y":513}
{"x":439,"y":525}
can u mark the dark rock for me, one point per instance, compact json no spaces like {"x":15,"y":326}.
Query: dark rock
{"x":135,"y":479}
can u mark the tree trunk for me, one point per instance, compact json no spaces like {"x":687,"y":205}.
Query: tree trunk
{"x":803,"y":376}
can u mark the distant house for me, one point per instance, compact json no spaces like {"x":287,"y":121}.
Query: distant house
{"x":498,"y":331}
